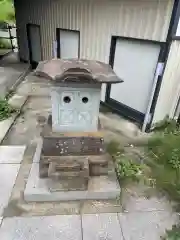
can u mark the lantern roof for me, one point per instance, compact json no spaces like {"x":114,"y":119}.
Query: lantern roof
{"x":76,"y":70}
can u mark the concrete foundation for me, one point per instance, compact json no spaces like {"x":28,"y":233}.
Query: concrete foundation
{"x":98,"y":188}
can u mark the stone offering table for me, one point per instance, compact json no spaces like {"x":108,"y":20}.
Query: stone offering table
{"x":72,"y":154}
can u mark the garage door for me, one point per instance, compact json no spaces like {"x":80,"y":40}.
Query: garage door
{"x":68,"y":42}
{"x":135,"y":62}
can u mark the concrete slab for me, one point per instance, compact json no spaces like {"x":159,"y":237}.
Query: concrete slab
{"x":146,"y":225}
{"x":103,"y":187}
{"x":103,"y":206}
{"x":5,"y":126}
{"x":34,"y":86}
{"x":143,"y":203}
{"x":27,"y":130}
{"x":140,"y":198}
{"x":101,"y":226}
{"x":11,"y":154}
{"x":18,"y":207}
{"x":12,"y":72}
{"x":37,"y":103}
{"x":16,"y":101}
{"x":8,"y":174}
{"x":47,"y":228}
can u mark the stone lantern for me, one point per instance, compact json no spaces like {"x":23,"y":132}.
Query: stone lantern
{"x":73,"y":147}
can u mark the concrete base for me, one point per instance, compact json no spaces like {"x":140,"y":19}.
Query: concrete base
{"x":99,"y":188}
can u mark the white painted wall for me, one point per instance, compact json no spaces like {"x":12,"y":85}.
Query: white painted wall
{"x":170,"y":88}
{"x":97,"y":21}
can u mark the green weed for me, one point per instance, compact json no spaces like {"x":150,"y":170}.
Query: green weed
{"x":173,"y":234}
{"x":6,"y":110}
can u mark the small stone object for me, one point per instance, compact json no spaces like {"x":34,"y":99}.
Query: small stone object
{"x":73,"y":147}
{"x":69,"y":175}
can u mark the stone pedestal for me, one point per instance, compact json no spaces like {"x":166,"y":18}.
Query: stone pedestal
{"x":69,"y":159}
{"x":103,"y":187}
{"x":68,"y":175}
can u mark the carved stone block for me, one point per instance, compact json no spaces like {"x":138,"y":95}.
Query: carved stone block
{"x":47,"y":130}
{"x":68,"y":175}
{"x":70,"y":143}
{"x":98,"y":165}
{"x":64,"y":146}
{"x":69,"y":169}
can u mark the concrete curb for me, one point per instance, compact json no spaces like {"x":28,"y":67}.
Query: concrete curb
{"x":20,"y":79}
{"x":16,"y":101}
{"x":5,"y":54}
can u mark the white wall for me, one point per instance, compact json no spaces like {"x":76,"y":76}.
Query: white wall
{"x":170,"y":88}
{"x":97,"y":21}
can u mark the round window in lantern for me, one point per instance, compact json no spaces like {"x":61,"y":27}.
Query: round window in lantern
{"x":67,"y":99}
{"x":85,"y":99}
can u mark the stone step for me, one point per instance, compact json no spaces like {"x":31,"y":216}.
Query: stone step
{"x":99,"y":188}
{"x":54,"y":173}
{"x":98,"y":164}
{"x":66,"y":175}
{"x":93,"y":159}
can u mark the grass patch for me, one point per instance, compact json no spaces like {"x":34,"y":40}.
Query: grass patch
{"x":127,"y":168}
{"x":165,"y":126}
{"x":164,"y":159}
{"x":6,"y":110}
{"x":173,"y":234}
{"x":160,"y":168}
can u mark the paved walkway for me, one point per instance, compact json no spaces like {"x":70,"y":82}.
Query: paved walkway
{"x":134,"y":217}
{"x":107,"y":226}
{"x":11,"y":72}
{"x":149,"y":222}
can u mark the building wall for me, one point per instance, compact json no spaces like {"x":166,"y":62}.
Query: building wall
{"x":97,"y":21}
{"x":170,"y":88}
